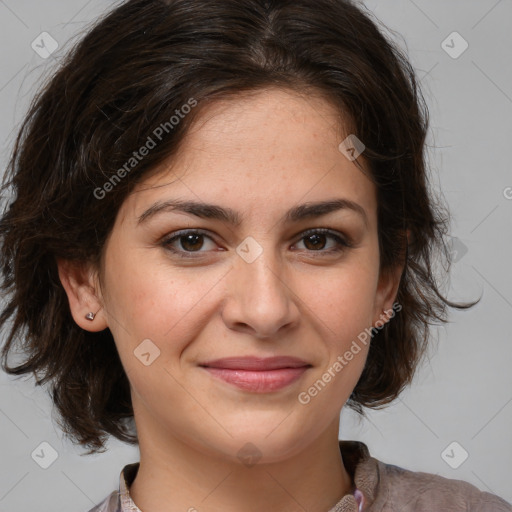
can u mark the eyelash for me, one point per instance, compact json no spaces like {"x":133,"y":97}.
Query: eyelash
{"x":343,"y":243}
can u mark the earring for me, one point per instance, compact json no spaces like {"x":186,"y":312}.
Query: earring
{"x":90,"y":316}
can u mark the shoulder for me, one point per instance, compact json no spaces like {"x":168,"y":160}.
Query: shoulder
{"x":389,"y":488}
{"x":419,"y":491}
{"x":109,"y":504}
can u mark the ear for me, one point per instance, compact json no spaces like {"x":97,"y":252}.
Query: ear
{"x":387,"y":289}
{"x":81,"y":284}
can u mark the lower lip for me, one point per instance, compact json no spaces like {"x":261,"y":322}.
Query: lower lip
{"x":259,"y":381}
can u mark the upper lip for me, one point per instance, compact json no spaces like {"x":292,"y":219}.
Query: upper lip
{"x":256,"y":363}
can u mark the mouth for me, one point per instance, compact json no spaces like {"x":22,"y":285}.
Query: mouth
{"x":260,"y":375}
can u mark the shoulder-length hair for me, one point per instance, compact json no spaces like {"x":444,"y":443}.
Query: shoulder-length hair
{"x":133,"y":73}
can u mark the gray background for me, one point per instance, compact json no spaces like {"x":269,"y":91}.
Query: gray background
{"x":463,"y":393}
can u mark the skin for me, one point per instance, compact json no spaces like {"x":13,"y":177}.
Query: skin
{"x":260,"y":155}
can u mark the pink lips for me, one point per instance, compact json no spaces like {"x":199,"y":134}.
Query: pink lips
{"x":257,"y":374}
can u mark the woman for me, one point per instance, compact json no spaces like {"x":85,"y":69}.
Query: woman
{"x":221,"y":235}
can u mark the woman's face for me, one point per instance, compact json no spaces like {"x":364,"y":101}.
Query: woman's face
{"x":258,"y":287}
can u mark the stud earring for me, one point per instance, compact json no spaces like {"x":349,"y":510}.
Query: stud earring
{"x":90,"y":316}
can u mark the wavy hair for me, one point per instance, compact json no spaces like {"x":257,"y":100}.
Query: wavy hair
{"x":129,"y":74}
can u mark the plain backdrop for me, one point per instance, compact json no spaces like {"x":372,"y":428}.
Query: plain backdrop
{"x":458,"y":412}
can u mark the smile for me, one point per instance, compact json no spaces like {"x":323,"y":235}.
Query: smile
{"x":256,"y":373}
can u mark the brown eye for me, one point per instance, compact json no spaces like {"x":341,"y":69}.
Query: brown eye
{"x":316,"y":240}
{"x":191,"y":242}
{"x":185,"y":243}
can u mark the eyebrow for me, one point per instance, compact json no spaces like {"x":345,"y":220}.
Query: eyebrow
{"x":215,"y":212}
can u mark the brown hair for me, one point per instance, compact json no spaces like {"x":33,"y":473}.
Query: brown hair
{"x":133,"y":71}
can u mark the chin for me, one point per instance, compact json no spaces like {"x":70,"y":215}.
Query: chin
{"x":252,"y":445}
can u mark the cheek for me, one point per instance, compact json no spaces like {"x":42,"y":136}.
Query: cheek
{"x":342,"y":309}
{"x":343,"y":317}
{"x":149,"y":300}
{"x":343,"y":299}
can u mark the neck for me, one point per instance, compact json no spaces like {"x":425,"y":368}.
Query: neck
{"x":177,"y":475}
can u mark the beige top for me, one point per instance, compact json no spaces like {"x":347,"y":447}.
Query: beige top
{"x":385,"y":488}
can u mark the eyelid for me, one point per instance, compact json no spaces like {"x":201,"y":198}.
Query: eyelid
{"x":345,"y":239}
{"x":167,"y":239}
{"x":176,"y":235}
{"x":342,"y":240}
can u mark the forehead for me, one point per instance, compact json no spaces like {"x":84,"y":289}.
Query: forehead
{"x":269,"y":119}
{"x":258,"y":152}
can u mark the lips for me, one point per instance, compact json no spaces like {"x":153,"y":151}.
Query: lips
{"x":255,"y":374}
{"x":252,"y":363}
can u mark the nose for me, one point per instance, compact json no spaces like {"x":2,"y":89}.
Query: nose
{"x":260,"y":300}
